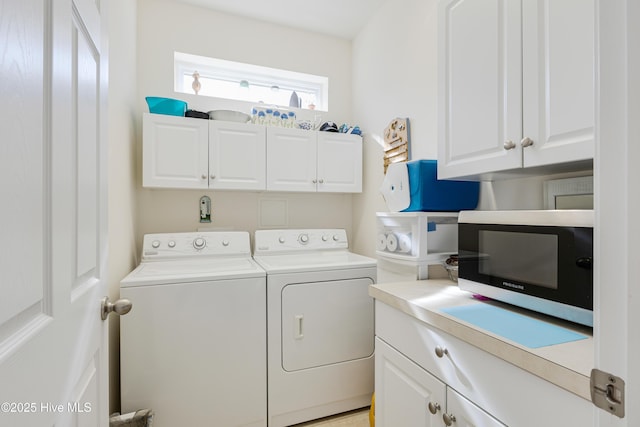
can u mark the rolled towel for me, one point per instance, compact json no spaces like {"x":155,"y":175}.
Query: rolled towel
{"x":392,"y":242}
{"x":381,"y":243}
{"x":404,"y":243}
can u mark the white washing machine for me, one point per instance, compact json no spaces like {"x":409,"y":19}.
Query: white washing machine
{"x":193,"y":347}
{"x":320,"y":324}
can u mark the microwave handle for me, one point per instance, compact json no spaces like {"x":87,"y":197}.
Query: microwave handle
{"x":584,"y":262}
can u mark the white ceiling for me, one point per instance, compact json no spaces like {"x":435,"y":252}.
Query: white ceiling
{"x":340,"y":18}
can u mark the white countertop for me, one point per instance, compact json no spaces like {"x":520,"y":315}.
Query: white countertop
{"x":567,"y":365}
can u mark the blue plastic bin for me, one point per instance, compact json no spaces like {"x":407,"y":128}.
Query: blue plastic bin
{"x":169,"y":106}
{"x":430,"y":194}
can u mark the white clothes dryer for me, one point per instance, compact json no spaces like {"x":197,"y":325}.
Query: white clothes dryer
{"x":193,"y":347}
{"x":320,"y":324}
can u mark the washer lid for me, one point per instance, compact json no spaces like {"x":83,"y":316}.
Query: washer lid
{"x":192,"y":270}
{"x":314,"y":261}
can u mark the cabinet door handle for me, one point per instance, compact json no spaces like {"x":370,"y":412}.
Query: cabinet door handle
{"x":448,"y":419}
{"x":213,"y":177}
{"x":315,"y":181}
{"x":441,"y":351}
{"x":509,"y":145}
{"x":321,"y":181}
{"x":204,"y":176}
{"x":434,"y":407}
{"x":526,"y":142}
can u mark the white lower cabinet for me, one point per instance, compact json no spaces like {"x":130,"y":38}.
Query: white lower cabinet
{"x":426,"y":377}
{"x":409,"y":396}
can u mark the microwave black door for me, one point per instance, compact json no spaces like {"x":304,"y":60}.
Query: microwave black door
{"x":553,"y":263}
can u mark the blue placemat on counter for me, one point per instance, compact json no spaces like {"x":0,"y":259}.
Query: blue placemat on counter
{"x":524,"y":330}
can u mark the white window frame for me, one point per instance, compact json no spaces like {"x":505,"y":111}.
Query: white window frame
{"x":187,"y":64}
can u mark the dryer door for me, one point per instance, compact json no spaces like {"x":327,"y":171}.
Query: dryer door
{"x":326,"y":322}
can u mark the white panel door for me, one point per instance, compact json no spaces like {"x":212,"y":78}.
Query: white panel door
{"x":291,"y":159}
{"x":339,"y":163}
{"x":405,"y":392}
{"x":53,"y":81}
{"x":480,"y":87}
{"x":558,"y":80}
{"x":237,"y":156}
{"x":175,"y":152}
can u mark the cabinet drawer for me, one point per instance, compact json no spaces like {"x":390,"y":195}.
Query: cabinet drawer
{"x":510,"y":394}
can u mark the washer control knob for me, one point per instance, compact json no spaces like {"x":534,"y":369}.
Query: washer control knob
{"x":225,"y":243}
{"x":303,"y":238}
{"x":336,"y":237}
{"x":325,"y":238}
{"x":172,"y":244}
{"x":199,"y":243}
{"x":281,"y":239}
{"x":155,"y":244}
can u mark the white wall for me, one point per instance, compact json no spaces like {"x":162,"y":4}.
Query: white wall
{"x":167,"y":26}
{"x":395,"y":75}
{"x":121,"y":168}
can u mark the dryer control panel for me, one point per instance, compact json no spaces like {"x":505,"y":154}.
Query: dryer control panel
{"x":273,"y":241}
{"x":189,"y":245}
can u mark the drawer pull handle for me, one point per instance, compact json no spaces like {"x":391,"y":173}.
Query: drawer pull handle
{"x":441,"y":351}
{"x":448,"y":419}
{"x":434,"y":407}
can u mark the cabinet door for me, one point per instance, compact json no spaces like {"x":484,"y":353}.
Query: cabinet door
{"x":558,"y":81}
{"x":404,"y":391}
{"x":339,"y":163}
{"x":174,"y":151}
{"x":479,"y":87}
{"x":291,"y":159}
{"x":237,"y":156}
{"x":467,"y":414}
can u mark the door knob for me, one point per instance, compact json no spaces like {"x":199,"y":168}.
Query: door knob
{"x":121,"y":307}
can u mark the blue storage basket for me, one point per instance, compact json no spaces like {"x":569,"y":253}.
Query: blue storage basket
{"x":169,"y":106}
{"x":430,"y":194}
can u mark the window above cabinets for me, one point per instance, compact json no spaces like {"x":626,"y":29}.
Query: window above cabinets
{"x":246,"y":82}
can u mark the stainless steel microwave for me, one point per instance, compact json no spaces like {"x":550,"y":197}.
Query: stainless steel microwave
{"x":539,"y":260}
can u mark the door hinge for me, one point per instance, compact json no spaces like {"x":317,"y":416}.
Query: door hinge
{"x":607,"y":392}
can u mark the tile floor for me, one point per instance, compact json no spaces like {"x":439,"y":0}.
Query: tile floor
{"x":357,"y":418}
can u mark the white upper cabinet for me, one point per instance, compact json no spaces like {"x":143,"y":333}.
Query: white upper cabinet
{"x":175,"y":152}
{"x":516,"y":86}
{"x":339,"y":163}
{"x":299,"y":160}
{"x":237,"y":154}
{"x":558,"y":81}
{"x":291,"y":159}
{"x":181,"y":152}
